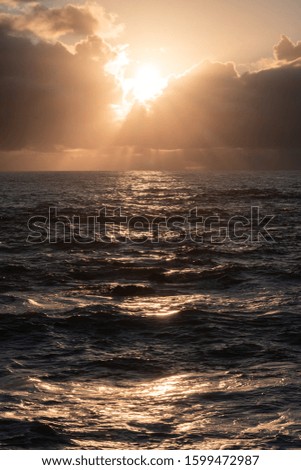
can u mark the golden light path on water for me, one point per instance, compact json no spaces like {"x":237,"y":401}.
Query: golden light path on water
{"x":157,"y":306}
{"x":187,"y":410}
{"x":161,"y":411}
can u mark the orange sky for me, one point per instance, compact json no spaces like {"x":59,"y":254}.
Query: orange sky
{"x":180,"y":33}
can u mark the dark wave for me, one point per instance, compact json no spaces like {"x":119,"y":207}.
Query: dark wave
{"x":17,"y":434}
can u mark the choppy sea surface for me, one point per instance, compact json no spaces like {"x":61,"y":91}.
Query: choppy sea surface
{"x":130,"y":335}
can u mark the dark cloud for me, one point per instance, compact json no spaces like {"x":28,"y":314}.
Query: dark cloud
{"x":287,"y":50}
{"x":213,"y":107}
{"x":51,"y":97}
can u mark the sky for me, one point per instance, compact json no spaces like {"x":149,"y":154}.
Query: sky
{"x":150,"y":84}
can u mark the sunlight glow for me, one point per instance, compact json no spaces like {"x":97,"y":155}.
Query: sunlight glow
{"x":142,"y":85}
{"x":147,"y":84}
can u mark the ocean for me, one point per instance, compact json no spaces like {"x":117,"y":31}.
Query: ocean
{"x":150,"y":310}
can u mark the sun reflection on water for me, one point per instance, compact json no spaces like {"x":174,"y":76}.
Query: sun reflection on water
{"x":160,"y":306}
{"x":123,"y":414}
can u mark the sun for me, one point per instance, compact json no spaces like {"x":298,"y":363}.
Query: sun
{"x":147,"y":83}
{"x":139,"y":83}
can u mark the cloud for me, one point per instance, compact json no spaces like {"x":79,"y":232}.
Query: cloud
{"x":55,"y":98}
{"x":51,"y":97}
{"x":287,"y":50}
{"x":93,"y":47}
{"x":52,"y":23}
{"x":15,"y":2}
{"x":213,"y":107}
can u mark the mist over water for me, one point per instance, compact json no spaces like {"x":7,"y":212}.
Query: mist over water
{"x":156,"y":342}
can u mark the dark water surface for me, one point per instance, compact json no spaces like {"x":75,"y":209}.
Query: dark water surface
{"x":163,"y":342}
